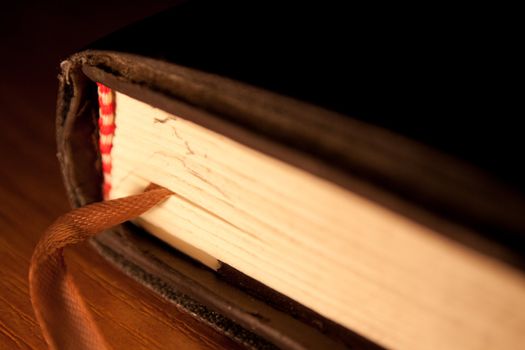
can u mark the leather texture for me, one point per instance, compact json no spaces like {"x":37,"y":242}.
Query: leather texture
{"x":274,"y":78}
{"x":402,"y":175}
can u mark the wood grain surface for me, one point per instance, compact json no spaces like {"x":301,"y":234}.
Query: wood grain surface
{"x":34,"y":38}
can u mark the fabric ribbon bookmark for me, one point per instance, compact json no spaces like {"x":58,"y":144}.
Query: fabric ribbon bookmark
{"x":63,"y":316}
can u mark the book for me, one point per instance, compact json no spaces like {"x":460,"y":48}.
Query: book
{"x":313,"y":222}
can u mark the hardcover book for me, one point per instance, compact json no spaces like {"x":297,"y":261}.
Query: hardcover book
{"x":322,"y":197}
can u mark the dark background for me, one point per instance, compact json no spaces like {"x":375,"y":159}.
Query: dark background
{"x":34,"y":38}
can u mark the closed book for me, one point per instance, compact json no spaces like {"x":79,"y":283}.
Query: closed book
{"x":329,"y":188}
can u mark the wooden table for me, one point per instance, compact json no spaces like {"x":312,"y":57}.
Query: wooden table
{"x":33,"y":40}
